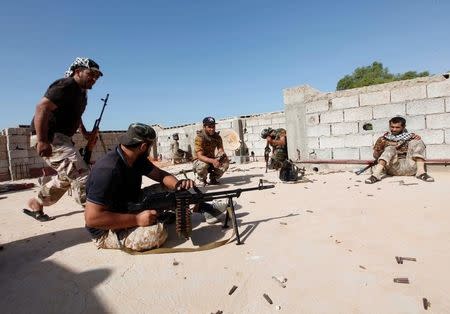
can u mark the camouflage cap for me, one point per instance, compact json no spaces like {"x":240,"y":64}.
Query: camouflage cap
{"x":138,"y":133}
{"x":266,"y":132}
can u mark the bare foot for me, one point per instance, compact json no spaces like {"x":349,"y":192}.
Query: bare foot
{"x":34,"y":205}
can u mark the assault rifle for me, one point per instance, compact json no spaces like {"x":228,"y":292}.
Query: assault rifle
{"x":180,"y":200}
{"x":266,"y":156}
{"x":87,"y":151}
{"x":374,"y":162}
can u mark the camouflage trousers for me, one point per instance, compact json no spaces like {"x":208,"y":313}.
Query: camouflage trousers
{"x":278,"y":157}
{"x":202,"y":169}
{"x":396,"y":166}
{"x":72,"y":171}
{"x":136,"y":239}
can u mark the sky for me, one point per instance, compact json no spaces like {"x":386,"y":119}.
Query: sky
{"x":173,"y":62}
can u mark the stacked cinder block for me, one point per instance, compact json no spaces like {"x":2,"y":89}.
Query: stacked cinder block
{"x":253,"y":126}
{"x":17,"y":145}
{"x":346,"y":124}
{"x":4,"y":160}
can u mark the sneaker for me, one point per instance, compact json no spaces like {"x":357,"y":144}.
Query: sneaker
{"x":216,"y":212}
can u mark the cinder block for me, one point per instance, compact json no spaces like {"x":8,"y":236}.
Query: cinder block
{"x":375,"y":98}
{"x":425,"y":106}
{"x":389,"y":111}
{"x":312,"y":119}
{"x":331,"y":141}
{"x":345,"y":102}
{"x":366,"y":153}
{"x":265,"y":121}
{"x":332,"y":116}
{"x":438,"y":151}
{"x":358,"y":140}
{"x":19,"y":139}
{"x":447,"y":136}
{"x":346,"y":153}
{"x":322,"y":154}
{"x":318,"y":130}
{"x":260,"y":144}
{"x":313,"y":142}
{"x":258,"y":129}
{"x":279,"y":120}
{"x":415,"y":123}
{"x":447,"y":104}
{"x":431,"y":136}
{"x":251,"y":122}
{"x":13,"y":154}
{"x":439,"y":89}
{"x":408,"y":93}
{"x":253,"y":137}
{"x":438,"y":121}
{"x":358,"y":114}
{"x":317,"y":106}
{"x":344,"y":128}
{"x":378,"y":125}
{"x":224,"y":125}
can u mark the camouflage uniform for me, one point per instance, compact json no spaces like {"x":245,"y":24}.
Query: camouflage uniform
{"x":400,"y":162}
{"x":177,"y":153}
{"x":137,"y":238}
{"x":279,"y":153}
{"x":208,"y":145}
{"x":71,"y":170}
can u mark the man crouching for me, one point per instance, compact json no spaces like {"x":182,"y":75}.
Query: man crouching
{"x":115,"y":183}
{"x":399,"y":153}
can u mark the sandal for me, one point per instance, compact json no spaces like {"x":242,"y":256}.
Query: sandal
{"x":371,"y":180}
{"x":39,"y":215}
{"x":425,"y":177}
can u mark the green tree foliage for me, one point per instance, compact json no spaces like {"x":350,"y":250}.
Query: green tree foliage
{"x":374,"y":74}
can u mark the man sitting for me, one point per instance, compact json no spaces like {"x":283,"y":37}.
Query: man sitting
{"x":399,"y":153}
{"x":114,"y":185}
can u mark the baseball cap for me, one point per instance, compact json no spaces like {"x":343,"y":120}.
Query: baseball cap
{"x":138,"y":133}
{"x":209,"y":121}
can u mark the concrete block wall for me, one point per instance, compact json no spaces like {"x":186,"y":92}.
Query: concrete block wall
{"x":253,"y":125}
{"x":4,"y":159}
{"x":331,"y":125}
{"x":18,"y":160}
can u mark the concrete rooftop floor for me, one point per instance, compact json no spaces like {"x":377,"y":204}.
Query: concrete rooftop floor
{"x":335,"y":240}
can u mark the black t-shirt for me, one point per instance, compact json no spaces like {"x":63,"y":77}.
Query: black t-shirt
{"x":71,"y":102}
{"x":113,"y":183}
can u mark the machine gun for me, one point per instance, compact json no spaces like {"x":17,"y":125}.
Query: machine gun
{"x":180,"y":200}
{"x":266,"y":156}
{"x":87,"y":151}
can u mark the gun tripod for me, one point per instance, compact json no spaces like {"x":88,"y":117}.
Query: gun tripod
{"x":231,"y":212}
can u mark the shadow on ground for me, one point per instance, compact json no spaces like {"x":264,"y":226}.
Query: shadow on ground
{"x":32,"y":283}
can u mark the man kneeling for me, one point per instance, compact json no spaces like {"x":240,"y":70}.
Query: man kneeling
{"x":399,"y":153}
{"x":115,"y":183}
